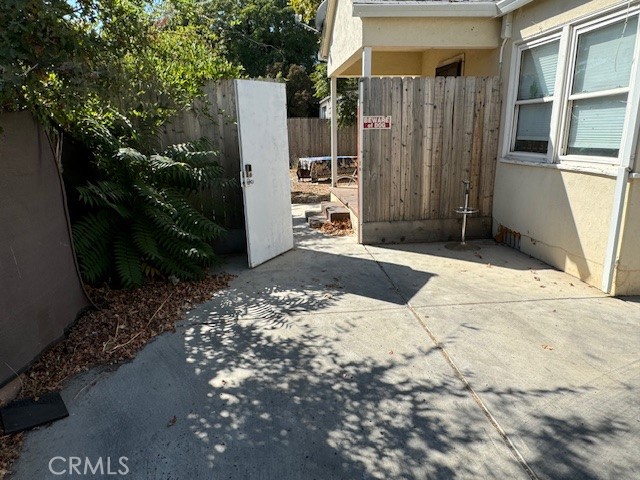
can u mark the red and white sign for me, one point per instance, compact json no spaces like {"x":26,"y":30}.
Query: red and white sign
{"x":371,"y":122}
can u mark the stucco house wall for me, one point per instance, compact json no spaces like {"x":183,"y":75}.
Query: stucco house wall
{"x":563,"y":216}
{"x":411,"y":46}
{"x":346,"y":39}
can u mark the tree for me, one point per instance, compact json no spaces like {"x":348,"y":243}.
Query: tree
{"x":260,"y":34}
{"x":306,"y":8}
{"x":347,"y":90}
{"x":132,"y":61}
{"x":109,"y":72}
{"x":301,"y":102}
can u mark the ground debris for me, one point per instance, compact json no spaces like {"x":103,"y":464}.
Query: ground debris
{"x":337,"y":228}
{"x":125,"y":322}
{"x":309,"y":192}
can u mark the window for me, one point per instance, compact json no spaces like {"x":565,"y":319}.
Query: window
{"x":536,"y":89}
{"x":570,"y":92}
{"x":597,"y":103}
{"x":452,"y":67}
{"x":450,"y":70}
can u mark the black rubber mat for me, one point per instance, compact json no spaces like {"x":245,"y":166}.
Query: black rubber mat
{"x":28,"y":412}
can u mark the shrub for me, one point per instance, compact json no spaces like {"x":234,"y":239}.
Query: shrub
{"x":139,"y":222}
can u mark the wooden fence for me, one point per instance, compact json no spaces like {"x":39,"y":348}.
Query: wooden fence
{"x":214,"y":119}
{"x":443,"y":131}
{"x":311,"y":137}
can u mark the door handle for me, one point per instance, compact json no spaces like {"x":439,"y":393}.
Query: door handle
{"x":248,"y":174}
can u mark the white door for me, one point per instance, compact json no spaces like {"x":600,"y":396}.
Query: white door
{"x":264,"y":158}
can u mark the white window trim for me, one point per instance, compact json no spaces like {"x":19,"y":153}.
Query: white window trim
{"x":560,"y":116}
{"x":587,"y":27}
{"x":511,"y":121}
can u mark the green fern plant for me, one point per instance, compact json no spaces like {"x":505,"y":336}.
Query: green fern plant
{"x":140,"y":223}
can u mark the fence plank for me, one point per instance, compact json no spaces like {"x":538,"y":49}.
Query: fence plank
{"x":405,"y":158}
{"x":417,"y":171}
{"x":491,"y":150}
{"x":427,"y":146}
{"x":444,"y":130}
{"x":477,"y":144}
{"x":396,"y":149}
{"x":384,"y":185}
{"x":311,"y":137}
{"x":438,"y":142}
{"x":448,"y":146}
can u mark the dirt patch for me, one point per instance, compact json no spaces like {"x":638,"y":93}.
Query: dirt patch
{"x":309,"y":192}
{"x":126,"y":321}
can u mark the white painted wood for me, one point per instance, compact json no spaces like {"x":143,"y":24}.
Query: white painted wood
{"x":264,"y":153}
{"x":334,"y":131}
{"x":361,"y":113}
{"x":366,"y":62}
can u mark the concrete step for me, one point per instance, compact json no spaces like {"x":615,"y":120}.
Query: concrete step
{"x":312,"y":213}
{"x":316,"y":221}
{"x":326,"y":205}
{"x":338,"y":214}
{"x":335,"y":212}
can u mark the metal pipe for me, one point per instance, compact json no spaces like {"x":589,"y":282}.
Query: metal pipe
{"x":467,"y":183}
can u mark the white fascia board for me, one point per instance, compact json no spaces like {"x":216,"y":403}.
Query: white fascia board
{"x":507,"y":6}
{"x":327,"y":31}
{"x":426,"y":9}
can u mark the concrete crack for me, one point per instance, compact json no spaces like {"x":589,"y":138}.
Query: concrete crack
{"x":485,"y":410}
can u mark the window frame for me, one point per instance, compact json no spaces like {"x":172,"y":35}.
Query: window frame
{"x":450,"y":61}
{"x":569,"y":97}
{"x":559,"y":129}
{"x":514,"y":103}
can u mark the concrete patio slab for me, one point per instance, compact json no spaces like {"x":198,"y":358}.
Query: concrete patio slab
{"x":322,"y":364}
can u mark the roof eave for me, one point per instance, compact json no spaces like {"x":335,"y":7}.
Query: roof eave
{"x":327,"y":31}
{"x":426,"y":9}
{"x":508,"y":6}
{"x":438,"y":9}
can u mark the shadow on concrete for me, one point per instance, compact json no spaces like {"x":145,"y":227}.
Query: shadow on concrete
{"x":632,"y":299}
{"x":487,"y":252}
{"x":298,"y":409}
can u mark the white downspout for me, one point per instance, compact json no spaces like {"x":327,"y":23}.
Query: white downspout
{"x":507,"y":27}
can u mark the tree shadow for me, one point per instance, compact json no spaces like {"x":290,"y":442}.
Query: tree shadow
{"x":303,"y":404}
{"x":300,"y":408}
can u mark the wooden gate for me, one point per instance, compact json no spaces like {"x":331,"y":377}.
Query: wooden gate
{"x":443,"y":130}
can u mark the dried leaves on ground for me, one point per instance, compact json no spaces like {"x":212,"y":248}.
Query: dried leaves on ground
{"x":337,"y":228}
{"x":125,"y":322}
{"x":308,"y":192}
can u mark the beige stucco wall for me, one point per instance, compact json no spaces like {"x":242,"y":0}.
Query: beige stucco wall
{"x":388,"y":63}
{"x":409,"y":32}
{"x":627,"y":279}
{"x":557,"y":215}
{"x":346,"y":40}
{"x":406,"y":35}
{"x":477,"y":63}
{"x":563,"y":216}
{"x":542,"y":15}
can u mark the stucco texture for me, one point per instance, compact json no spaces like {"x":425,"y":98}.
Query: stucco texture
{"x":562,"y":217}
{"x":411,"y":46}
{"x":627,"y":279}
